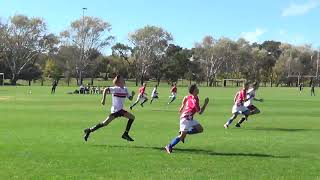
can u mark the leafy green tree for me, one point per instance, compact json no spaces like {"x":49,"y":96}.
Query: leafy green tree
{"x":125,"y":53}
{"x":87,"y":35}
{"x":31,"y":72}
{"x":23,"y":40}
{"x":150,"y":44}
{"x":66,"y":59}
{"x":52,"y":70}
{"x":177,"y":63}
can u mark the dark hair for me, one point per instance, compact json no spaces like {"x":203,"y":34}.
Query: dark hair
{"x":192,"y":87}
{"x":116,"y":79}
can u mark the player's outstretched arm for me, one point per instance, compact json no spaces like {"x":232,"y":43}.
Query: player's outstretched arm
{"x":183,"y":104}
{"x":203,"y":108}
{"x":105,"y":92}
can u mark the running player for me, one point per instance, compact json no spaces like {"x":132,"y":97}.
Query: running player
{"x":238,"y":107}
{"x":188,"y":125}
{"x":119,"y":94}
{"x":141,"y":97}
{"x":154,"y":94}
{"x":174,"y":91}
{"x":251,"y":96}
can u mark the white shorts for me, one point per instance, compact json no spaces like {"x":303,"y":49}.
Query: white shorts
{"x":154,"y":96}
{"x":239,"y":109}
{"x":187,"y":124}
{"x":173,"y":94}
{"x":141,"y":97}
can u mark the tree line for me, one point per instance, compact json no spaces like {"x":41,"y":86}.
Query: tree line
{"x":29,"y":52}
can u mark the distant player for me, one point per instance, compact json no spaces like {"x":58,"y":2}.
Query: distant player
{"x":119,"y":94}
{"x":173,"y":93}
{"x":188,"y":125}
{"x":238,"y":107}
{"x":142,"y":97}
{"x":300,"y":87}
{"x":251,"y":96}
{"x":54,"y":86}
{"x":312,"y":90}
{"x":154,"y":94}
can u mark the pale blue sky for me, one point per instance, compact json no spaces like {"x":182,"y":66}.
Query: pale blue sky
{"x":293,"y":21}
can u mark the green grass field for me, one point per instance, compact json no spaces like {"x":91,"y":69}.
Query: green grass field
{"x":41,"y":138}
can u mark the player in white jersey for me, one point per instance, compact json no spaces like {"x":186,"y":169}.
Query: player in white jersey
{"x":119,"y":94}
{"x":154,"y":94}
{"x":251,"y":96}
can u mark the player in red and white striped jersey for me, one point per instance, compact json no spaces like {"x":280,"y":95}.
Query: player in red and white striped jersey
{"x":119,"y":94}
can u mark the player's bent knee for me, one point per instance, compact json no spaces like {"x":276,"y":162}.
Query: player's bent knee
{"x":129,"y":116}
{"x":246,"y":113}
{"x":183,"y":134}
{"x":199,"y":128}
{"x":234,"y":116}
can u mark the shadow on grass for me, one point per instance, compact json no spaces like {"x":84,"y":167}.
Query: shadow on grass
{"x":281,"y":129}
{"x":196,"y":151}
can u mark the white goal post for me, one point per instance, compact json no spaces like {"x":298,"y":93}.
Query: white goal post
{"x":2,"y":74}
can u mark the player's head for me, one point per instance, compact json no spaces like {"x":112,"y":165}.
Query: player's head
{"x":255,"y":85}
{"x":118,"y":81}
{"x":156,"y":86}
{"x":144,"y":84}
{"x":193,"y":89}
{"x":245,"y":85}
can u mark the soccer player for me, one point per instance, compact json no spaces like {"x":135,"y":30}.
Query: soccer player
{"x":238,"y":107}
{"x":251,"y":96}
{"x":188,"y":125}
{"x":173,"y":93}
{"x":154,"y":94}
{"x":54,"y":86}
{"x":141,"y":97}
{"x":119,"y":94}
{"x":300,"y":87}
{"x":312,"y":90}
